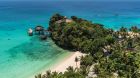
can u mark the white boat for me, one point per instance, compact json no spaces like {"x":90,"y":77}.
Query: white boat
{"x":30,"y":32}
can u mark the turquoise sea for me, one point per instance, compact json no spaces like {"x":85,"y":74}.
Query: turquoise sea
{"x":22,"y":56}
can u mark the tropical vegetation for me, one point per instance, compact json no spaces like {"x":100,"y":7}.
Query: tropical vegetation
{"x":110,"y":54}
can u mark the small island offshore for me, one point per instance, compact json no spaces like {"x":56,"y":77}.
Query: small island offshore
{"x":105,"y":53}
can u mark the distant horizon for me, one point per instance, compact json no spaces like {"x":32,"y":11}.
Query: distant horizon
{"x":75,"y":1}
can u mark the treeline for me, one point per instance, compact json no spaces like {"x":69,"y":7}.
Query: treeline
{"x":110,"y":54}
{"x":79,"y":34}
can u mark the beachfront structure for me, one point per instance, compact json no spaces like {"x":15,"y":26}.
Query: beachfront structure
{"x":39,"y":30}
{"x":67,"y":20}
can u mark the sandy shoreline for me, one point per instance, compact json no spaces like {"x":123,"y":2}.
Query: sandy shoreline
{"x":70,"y":61}
{"x":63,"y":64}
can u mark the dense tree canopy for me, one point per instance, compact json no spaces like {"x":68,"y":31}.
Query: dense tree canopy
{"x":112,"y":53}
{"x":79,"y":34}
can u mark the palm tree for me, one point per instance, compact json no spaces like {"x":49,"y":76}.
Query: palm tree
{"x":70,"y":69}
{"x":123,"y":29}
{"x":130,"y":44}
{"x":74,"y":18}
{"x":76,"y":60}
{"x":38,"y":76}
{"x":48,"y":73}
{"x":134,"y":29}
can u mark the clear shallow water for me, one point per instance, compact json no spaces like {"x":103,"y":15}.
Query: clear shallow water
{"x":22,"y":56}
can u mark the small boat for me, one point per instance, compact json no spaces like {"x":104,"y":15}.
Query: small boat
{"x":30,"y":32}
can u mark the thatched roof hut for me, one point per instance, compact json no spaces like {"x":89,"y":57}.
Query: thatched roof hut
{"x":39,"y":28}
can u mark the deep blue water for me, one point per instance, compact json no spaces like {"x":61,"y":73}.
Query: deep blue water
{"x":111,"y":14}
{"x":22,"y":56}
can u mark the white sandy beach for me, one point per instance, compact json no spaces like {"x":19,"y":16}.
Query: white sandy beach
{"x":62,"y":66}
{"x":70,"y":61}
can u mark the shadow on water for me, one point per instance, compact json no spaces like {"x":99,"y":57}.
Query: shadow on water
{"x":35,"y":50}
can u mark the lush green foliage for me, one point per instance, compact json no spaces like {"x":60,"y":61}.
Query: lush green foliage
{"x":79,"y":34}
{"x":70,"y":73}
{"x":125,"y":63}
{"x":134,"y":29}
{"x":111,"y":52}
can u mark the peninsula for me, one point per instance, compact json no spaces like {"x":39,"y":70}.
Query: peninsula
{"x":107,"y":53}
